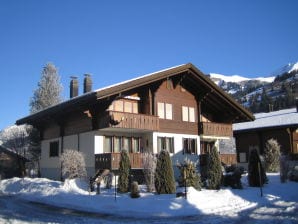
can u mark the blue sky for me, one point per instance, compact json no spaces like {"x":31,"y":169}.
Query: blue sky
{"x":119,"y":40}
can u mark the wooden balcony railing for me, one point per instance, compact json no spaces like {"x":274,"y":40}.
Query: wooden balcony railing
{"x":114,"y":119}
{"x":216,"y":129}
{"x":111,"y":161}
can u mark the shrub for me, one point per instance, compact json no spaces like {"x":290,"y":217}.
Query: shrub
{"x":271,"y":155}
{"x":73,"y":164}
{"x":164,"y":174}
{"x":214,"y":172}
{"x":189,"y":175}
{"x":124,"y":170}
{"x":256,"y":172}
{"x":134,"y":192}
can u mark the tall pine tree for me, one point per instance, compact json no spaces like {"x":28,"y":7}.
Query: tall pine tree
{"x":164,"y":174}
{"x":48,"y":92}
{"x":214,"y":172}
{"x":124,"y":170}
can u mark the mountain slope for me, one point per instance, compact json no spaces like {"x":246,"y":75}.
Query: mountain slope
{"x":278,"y":91}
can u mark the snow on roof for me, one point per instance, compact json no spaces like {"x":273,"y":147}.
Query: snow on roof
{"x":271,"y":119}
{"x":139,"y":77}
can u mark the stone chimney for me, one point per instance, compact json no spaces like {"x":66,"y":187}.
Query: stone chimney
{"x":87,"y":83}
{"x":74,"y":87}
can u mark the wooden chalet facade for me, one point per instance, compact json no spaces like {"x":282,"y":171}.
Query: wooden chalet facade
{"x":280,"y":125}
{"x":178,"y":109}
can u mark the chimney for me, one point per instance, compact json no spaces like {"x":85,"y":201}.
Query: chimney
{"x":74,"y":87}
{"x":87,"y":83}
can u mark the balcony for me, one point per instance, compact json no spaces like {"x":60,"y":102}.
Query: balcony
{"x":111,"y":161}
{"x":216,"y":129}
{"x":123,"y":120}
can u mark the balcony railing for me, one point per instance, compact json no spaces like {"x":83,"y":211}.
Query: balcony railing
{"x":114,"y":119}
{"x":111,"y":161}
{"x":216,"y":129}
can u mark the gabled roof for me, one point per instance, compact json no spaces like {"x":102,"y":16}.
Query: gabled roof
{"x":275,"y":119}
{"x":213,"y":98}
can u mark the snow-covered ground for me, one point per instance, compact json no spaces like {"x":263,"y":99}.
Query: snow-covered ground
{"x":277,"y":199}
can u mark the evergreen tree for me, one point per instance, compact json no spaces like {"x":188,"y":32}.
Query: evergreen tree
{"x":272,"y":154}
{"x":164,"y":174}
{"x":189,"y":175}
{"x":256,"y":173}
{"x":214,"y":172}
{"x":124,"y":170}
{"x":48,"y":92}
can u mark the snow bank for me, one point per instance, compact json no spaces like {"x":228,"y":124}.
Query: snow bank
{"x":229,"y":202}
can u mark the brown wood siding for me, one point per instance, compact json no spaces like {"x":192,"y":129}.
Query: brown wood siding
{"x":51,"y":131}
{"x":280,"y":135}
{"x":177,"y":98}
{"x":244,"y":141}
{"x":77,"y":123}
{"x":259,"y":138}
{"x":295,"y":141}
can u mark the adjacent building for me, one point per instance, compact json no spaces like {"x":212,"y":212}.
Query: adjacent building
{"x":280,"y":125}
{"x":11,"y":164}
{"x":177,"y":109}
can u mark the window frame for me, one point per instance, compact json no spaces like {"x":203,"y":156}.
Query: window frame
{"x":165,"y":143}
{"x":54,"y":147}
{"x":190,"y":146}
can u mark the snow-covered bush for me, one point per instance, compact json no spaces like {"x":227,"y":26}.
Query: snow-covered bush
{"x":73,"y":164}
{"x":124,"y":170}
{"x":164,"y":174}
{"x":134,"y":192}
{"x":188,"y":175}
{"x":271,"y":155}
{"x":149,"y":163}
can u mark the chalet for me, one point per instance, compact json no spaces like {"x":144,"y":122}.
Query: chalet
{"x":178,"y":109}
{"x":280,"y":125}
{"x":11,"y":164}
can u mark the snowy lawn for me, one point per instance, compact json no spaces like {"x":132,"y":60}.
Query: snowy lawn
{"x":225,"y":202}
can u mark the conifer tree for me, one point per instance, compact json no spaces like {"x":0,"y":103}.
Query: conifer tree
{"x":124,"y":170}
{"x":164,"y":174}
{"x":256,"y":173}
{"x":189,"y":175}
{"x":48,"y":92}
{"x":214,"y":172}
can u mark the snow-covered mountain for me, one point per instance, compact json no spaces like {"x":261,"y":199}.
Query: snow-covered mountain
{"x":279,"y":88}
{"x":290,"y":67}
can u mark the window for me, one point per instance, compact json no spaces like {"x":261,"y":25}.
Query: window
{"x":107,"y":144}
{"x":165,"y":143}
{"x":117,"y":143}
{"x":165,"y":111}
{"x":124,"y":106}
{"x":54,"y":149}
{"x":188,"y":114}
{"x":189,"y":145}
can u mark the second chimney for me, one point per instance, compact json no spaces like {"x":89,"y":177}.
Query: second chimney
{"x":74,"y":87}
{"x":87,"y":83}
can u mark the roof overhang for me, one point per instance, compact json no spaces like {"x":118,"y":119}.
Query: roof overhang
{"x":213,"y":99}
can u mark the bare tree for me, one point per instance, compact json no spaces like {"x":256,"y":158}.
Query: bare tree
{"x":48,"y":92}
{"x":17,"y":139}
{"x":73,"y":164}
{"x":149,"y":163}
